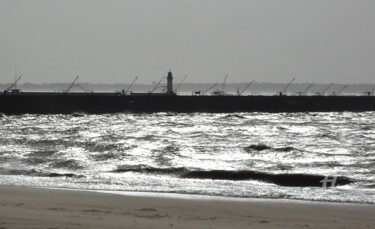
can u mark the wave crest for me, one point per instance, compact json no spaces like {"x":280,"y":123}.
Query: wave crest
{"x":282,"y":179}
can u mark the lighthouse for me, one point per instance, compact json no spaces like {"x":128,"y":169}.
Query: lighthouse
{"x":170,"y":83}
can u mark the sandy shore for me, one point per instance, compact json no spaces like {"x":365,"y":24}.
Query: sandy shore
{"x":44,"y":208}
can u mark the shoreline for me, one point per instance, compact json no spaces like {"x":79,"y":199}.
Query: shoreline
{"x":168,"y":195}
{"x":26,"y":207}
{"x":191,"y":196}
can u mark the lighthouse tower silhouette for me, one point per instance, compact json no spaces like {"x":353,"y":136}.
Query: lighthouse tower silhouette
{"x":170,"y":84}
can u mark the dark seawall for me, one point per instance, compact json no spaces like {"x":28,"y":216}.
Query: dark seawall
{"x":99,"y":103}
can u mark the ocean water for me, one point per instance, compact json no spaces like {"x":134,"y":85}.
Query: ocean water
{"x":248,"y":155}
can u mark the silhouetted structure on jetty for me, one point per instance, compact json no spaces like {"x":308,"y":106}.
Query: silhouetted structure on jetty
{"x":17,"y":102}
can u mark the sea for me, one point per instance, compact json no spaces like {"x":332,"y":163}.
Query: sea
{"x":294,"y":156}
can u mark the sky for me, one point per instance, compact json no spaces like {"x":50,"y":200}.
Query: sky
{"x":112,"y":41}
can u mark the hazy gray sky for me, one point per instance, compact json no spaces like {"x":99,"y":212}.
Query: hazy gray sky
{"x":113,"y":41}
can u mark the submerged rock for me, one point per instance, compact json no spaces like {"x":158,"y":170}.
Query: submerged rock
{"x":258,"y":147}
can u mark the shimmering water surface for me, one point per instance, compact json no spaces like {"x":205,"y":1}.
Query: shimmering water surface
{"x":158,"y":153}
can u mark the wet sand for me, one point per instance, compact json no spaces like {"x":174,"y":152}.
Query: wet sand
{"x":45,"y":208}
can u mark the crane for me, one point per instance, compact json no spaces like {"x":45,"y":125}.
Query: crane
{"x":71,"y":85}
{"x":287,"y":86}
{"x":130,"y":85}
{"x":209,"y":89}
{"x":182,"y":81}
{"x":156,"y":86}
{"x":14,"y":84}
{"x":225,"y":80}
{"x":329,"y":86}
{"x":343,"y":88}
{"x":308,"y":87}
{"x":246,"y":87}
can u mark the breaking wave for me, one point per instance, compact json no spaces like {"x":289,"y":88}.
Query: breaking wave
{"x":36,"y":173}
{"x":283,"y":179}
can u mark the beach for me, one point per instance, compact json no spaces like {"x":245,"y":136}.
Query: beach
{"x":22,"y":207}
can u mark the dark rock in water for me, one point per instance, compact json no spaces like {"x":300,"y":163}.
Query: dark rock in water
{"x":78,"y":115}
{"x":285,"y":149}
{"x":288,"y":180}
{"x":69,"y":175}
{"x":148,"y":169}
{"x":261,"y":147}
{"x":307,"y":180}
{"x":37,"y":173}
{"x":282,"y":179}
{"x":234,"y":116}
{"x":258,"y":147}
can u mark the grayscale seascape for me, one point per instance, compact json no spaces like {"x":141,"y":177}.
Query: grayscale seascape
{"x":161,"y":152}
